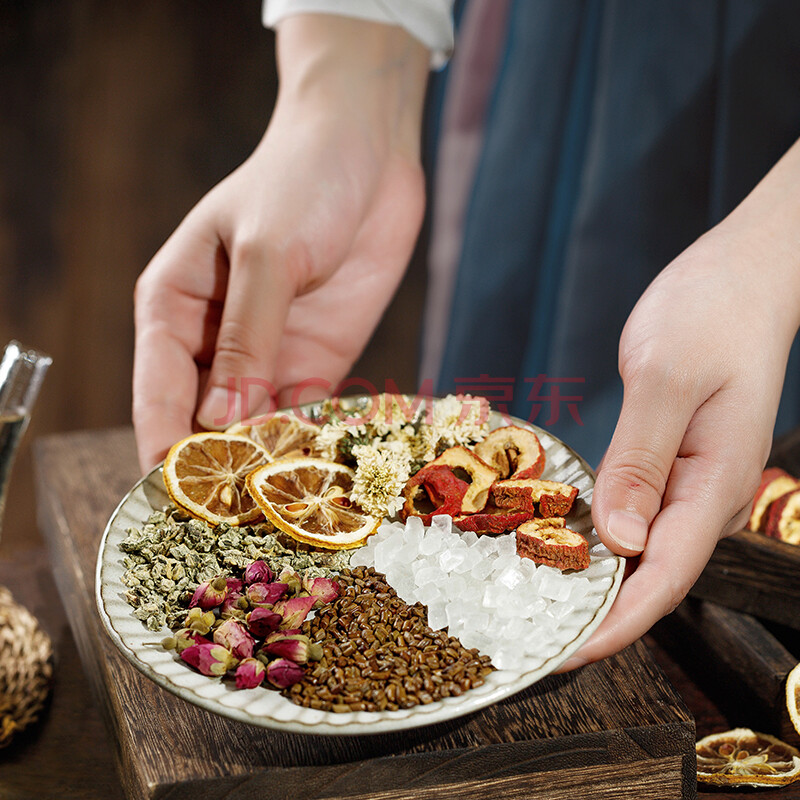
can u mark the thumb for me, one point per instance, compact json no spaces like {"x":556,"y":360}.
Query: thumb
{"x":635,"y":469}
{"x":253,"y":316}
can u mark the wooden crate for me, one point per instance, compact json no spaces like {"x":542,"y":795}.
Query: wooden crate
{"x":751,"y":572}
{"x":612,"y":730}
{"x":737,"y":661}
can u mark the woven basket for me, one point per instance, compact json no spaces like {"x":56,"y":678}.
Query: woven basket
{"x":26,"y":667}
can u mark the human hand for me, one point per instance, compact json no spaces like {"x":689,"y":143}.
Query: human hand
{"x":702,"y":358}
{"x":280,"y":274}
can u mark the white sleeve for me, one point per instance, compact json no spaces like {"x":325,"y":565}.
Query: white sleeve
{"x":430,"y":21}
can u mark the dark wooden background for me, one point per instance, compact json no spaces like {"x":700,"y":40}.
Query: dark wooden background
{"x":115,"y":118}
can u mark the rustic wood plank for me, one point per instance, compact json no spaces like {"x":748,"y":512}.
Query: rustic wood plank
{"x":647,"y":780}
{"x":167,"y":748}
{"x":737,"y":661}
{"x":754,"y":574}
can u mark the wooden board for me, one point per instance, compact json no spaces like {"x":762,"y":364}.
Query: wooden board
{"x":615,"y":729}
{"x":751,"y":572}
{"x":740,"y":664}
{"x":754,"y":574}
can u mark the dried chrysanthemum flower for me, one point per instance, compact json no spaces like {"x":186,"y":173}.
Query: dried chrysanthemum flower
{"x":381,"y":474}
{"x":454,"y":420}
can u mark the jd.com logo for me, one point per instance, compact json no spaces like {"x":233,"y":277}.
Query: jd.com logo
{"x":543,"y":390}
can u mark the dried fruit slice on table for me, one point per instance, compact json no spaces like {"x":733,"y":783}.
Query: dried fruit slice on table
{"x":775,"y":483}
{"x":783,"y":518}
{"x":309,"y":498}
{"x":793,"y":697}
{"x":513,"y":452}
{"x":205,"y":475}
{"x":282,"y":435}
{"x":741,"y":757}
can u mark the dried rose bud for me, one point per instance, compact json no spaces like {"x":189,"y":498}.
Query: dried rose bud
{"x":298,"y":648}
{"x":291,"y":579}
{"x":263,"y":621}
{"x":258,"y":572}
{"x":274,"y":637}
{"x":324,"y":589}
{"x":235,"y":605}
{"x":234,"y":636}
{"x":263,"y":594}
{"x":184,"y":638}
{"x":250,"y":673}
{"x":199,"y":621}
{"x":210,"y":659}
{"x":210,"y":594}
{"x":294,"y":610}
{"x":282,"y":673}
{"x":234,"y":585}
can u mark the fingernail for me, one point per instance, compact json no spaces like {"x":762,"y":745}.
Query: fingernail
{"x":218,"y":409}
{"x":628,"y":529}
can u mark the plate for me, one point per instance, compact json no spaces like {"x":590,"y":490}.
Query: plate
{"x":268,"y":708}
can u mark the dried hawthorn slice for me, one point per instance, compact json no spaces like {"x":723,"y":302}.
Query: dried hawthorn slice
{"x":553,"y":498}
{"x":474,"y":471}
{"x":547,"y":522}
{"x":775,"y":483}
{"x":513,"y":452}
{"x":742,"y":757}
{"x":783,"y":518}
{"x":554,"y":547}
{"x":492,"y":520}
{"x":434,"y":485}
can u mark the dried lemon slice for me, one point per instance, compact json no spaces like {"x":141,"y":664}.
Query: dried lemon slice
{"x":742,"y":757}
{"x":793,"y":697}
{"x":309,"y":498}
{"x":205,"y":475}
{"x":282,"y":436}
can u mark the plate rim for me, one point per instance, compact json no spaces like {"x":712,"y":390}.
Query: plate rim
{"x":382,"y":722}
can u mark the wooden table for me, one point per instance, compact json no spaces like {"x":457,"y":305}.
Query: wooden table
{"x":611,"y":730}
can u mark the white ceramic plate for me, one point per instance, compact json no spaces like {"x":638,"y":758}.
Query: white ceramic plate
{"x":268,"y":708}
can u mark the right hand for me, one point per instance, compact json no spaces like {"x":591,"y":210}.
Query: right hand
{"x":283,"y":270}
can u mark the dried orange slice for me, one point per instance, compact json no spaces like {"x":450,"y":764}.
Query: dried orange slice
{"x":282,"y":436}
{"x":793,"y":697}
{"x":742,"y":757}
{"x":309,"y":498}
{"x":205,"y":475}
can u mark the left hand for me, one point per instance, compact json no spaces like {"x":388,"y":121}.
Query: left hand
{"x":702,"y":359}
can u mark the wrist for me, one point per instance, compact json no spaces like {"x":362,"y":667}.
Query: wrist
{"x":761,"y":235}
{"x":370,"y":74}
